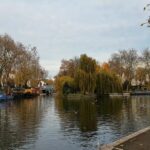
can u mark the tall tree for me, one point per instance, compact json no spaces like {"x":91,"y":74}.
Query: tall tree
{"x":125,"y":61}
{"x":87,"y":64}
{"x":116,"y":64}
{"x":87,"y":74}
{"x":68,"y":67}
{"x":19,"y":60}
{"x":8,"y":53}
{"x":146,"y":60}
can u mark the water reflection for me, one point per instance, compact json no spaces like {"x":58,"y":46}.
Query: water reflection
{"x":55,"y":123}
{"x":87,"y":111}
{"x":19,"y":122}
{"x":79,"y":121}
{"x":110,"y":118}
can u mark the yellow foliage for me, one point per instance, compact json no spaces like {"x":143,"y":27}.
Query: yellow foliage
{"x":59,"y":82}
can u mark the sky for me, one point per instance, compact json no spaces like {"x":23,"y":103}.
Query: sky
{"x":63,"y":29}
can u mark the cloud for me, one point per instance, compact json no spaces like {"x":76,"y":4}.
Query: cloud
{"x":51,"y":66}
{"x":64,"y":29}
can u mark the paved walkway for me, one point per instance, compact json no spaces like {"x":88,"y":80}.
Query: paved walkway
{"x":141,"y":142}
{"x":137,"y":141}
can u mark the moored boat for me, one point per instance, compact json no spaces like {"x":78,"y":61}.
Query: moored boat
{"x":30,"y":92}
{"x":18,"y":92}
{"x":5,"y":97}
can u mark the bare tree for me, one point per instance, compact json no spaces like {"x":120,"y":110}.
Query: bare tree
{"x":115,"y":64}
{"x":146,"y":60}
{"x":20,"y":60}
{"x":124,"y":62}
{"x":7,"y":56}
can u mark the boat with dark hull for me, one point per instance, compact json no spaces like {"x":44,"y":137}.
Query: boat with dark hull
{"x":20,"y":93}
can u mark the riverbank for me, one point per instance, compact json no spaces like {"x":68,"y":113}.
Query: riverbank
{"x":124,"y":94}
{"x":131,"y":93}
{"x":136,"y":141}
{"x":79,"y":96}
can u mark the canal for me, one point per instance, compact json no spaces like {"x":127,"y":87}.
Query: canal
{"x":48,"y":123}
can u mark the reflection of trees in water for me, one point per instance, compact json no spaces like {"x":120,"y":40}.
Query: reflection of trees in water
{"x":124,"y":115}
{"x":121,"y":110}
{"x":78,"y":120}
{"x":19,"y":122}
{"x":86,"y":111}
{"x":109,"y":112}
{"x":87,"y":116}
{"x":83,"y":112}
{"x":110,"y":107}
{"x":137,"y":110}
{"x":110,"y":118}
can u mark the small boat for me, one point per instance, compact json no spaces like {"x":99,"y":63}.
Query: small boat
{"x":4,"y":97}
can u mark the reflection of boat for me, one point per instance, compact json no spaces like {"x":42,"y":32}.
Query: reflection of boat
{"x":140,"y":93}
{"x":4,"y":97}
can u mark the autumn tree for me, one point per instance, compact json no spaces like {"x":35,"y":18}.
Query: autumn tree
{"x":8,"y":54}
{"x":107,"y":82}
{"x":62,"y":82}
{"x":29,"y":67}
{"x":68,"y":67}
{"x":124,"y":62}
{"x":19,"y":60}
{"x":86,"y":74}
{"x":87,"y":64}
{"x":140,"y":74}
{"x":105,"y":66}
{"x":145,"y":58}
{"x":116,"y":64}
{"x":87,"y":77}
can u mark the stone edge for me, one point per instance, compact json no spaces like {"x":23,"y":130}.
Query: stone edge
{"x":124,"y":139}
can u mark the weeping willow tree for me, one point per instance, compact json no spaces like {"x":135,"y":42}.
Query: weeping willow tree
{"x":80,"y":80}
{"x":64,"y":85}
{"x":86,"y":82}
{"x":107,"y":83}
{"x":87,"y":116}
{"x":116,"y":84}
{"x":85,"y":77}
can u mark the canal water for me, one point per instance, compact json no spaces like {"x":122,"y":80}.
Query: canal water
{"x":48,"y":123}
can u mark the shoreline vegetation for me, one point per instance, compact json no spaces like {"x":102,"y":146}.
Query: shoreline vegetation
{"x":125,"y":73}
{"x":86,"y":78}
{"x":20,"y":67}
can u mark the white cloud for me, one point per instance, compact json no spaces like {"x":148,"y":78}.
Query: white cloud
{"x":51,"y":65}
{"x":64,"y":29}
